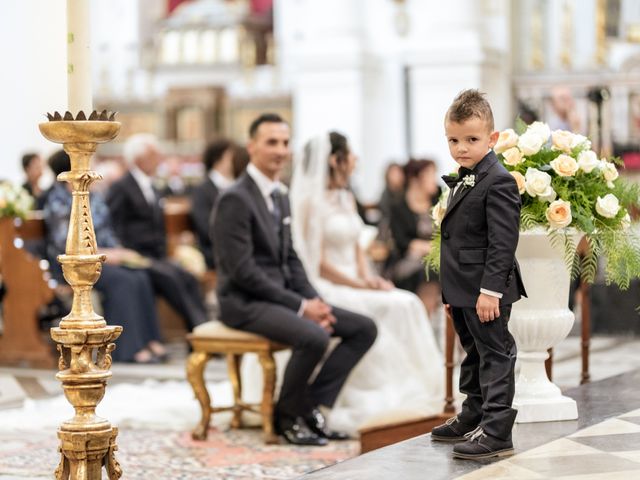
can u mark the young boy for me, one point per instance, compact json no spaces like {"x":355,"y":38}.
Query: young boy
{"x":480,"y":280}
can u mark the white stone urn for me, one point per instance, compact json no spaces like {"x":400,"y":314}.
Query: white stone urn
{"x":538,"y":323}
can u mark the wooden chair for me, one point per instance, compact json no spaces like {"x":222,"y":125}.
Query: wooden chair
{"x":215,"y":338}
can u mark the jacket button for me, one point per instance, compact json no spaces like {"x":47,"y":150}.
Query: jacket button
{"x":445,"y":235}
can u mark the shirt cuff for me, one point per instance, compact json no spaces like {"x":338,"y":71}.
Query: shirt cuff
{"x":490,"y":292}
{"x":303,"y":305}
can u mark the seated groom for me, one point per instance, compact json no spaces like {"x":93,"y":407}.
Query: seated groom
{"x":262,"y":288}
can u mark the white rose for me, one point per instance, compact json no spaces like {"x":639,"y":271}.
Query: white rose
{"x":530,"y":143}
{"x":609,"y":172}
{"x":507,"y":139}
{"x":588,"y":160}
{"x":539,"y":129}
{"x":580,"y":141}
{"x":564,"y":165}
{"x":520,"y":181}
{"x":538,"y":184}
{"x":608,"y":206}
{"x":438,"y":211}
{"x":562,"y":140}
{"x":559,"y":214}
{"x":512,"y":156}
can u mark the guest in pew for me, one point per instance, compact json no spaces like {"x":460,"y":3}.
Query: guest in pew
{"x":394,"y":180}
{"x":33,"y":169}
{"x":219,"y":161}
{"x":125,"y":286}
{"x":412,"y":228}
{"x":404,"y":368}
{"x":263,"y":288}
{"x":138,"y":221}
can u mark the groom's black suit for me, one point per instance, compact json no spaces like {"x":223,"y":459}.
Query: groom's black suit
{"x":261,"y":286}
{"x":479,"y":235}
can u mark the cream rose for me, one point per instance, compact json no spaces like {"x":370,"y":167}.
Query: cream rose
{"x":507,"y":139}
{"x":520,"y":181}
{"x":512,"y":156}
{"x":626,"y":221}
{"x":609,"y":172}
{"x":530,"y":143}
{"x":538,"y":184}
{"x":608,"y":206}
{"x":588,"y":160}
{"x":438,"y":211}
{"x":559,"y":214}
{"x":540,"y":129}
{"x":561,"y":140}
{"x":564,"y":165}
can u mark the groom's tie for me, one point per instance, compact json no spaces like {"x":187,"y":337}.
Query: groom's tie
{"x":276,"y":213}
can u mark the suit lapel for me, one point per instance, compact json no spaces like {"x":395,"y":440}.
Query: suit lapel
{"x":264,"y":216}
{"x":483,"y":170}
{"x":139,"y":198}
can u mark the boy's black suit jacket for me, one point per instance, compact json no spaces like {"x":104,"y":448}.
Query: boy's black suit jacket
{"x":479,"y":235}
{"x":255,"y":262}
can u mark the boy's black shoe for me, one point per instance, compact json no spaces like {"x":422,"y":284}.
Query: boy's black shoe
{"x":480,"y":445}
{"x":452,"y":431}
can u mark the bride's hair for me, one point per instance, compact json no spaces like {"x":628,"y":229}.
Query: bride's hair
{"x":339,"y":148}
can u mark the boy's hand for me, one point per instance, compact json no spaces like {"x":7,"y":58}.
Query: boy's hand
{"x":487,"y":307}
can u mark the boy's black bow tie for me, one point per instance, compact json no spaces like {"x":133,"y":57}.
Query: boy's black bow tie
{"x":453,"y":180}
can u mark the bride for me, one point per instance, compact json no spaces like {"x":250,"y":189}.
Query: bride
{"x":403,"y":371}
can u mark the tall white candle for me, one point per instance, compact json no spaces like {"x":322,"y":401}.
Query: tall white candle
{"x":78,"y":57}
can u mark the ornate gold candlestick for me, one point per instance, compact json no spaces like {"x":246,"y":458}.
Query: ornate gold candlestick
{"x":85,"y":341}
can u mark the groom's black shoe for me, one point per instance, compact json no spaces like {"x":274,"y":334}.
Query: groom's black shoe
{"x":297,"y":432}
{"x":480,"y":445}
{"x":452,"y":431}
{"x":318,"y":425}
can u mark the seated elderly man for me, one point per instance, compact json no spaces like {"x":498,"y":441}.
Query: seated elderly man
{"x":139,"y":222}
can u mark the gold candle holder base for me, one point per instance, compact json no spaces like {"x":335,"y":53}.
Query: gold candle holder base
{"x":85,"y":341}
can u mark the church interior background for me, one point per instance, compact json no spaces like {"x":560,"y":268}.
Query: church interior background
{"x":381,"y":71}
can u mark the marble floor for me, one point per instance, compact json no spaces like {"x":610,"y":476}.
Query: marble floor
{"x":604,"y":443}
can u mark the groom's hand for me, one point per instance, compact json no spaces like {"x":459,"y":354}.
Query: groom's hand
{"x":487,"y":307}
{"x":319,"y":312}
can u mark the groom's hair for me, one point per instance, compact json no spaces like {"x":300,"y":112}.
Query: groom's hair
{"x":468,"y":104}
{"x":264,"y":118}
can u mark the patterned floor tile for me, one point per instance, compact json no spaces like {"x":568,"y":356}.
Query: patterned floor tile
{"x":558,"y":448}
{"x":554,"y":467}
{"x":613,"y":425}
{"x":623,"y":442}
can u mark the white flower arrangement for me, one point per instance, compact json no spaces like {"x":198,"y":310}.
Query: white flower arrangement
{"x":15,"y":201}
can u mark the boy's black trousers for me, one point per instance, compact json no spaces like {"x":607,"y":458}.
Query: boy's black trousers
{"x":487,"y":372}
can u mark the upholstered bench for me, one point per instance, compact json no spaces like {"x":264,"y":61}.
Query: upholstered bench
{"x":213,"y":338}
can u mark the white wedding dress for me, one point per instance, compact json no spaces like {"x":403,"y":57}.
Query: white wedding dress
{"x":403,"y":372}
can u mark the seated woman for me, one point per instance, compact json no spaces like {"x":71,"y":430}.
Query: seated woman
{"x":411,"y":229}
{"x":404,"y":368}
{"x":128,"y":298}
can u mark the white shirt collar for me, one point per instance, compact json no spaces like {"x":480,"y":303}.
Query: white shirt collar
{"x":142,"y":178}
{"x":220,"y":180}
{"x":144,"y":182}
{"x":265,"y":184}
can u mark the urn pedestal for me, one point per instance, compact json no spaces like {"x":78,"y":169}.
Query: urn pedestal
{"x":538,"y":323}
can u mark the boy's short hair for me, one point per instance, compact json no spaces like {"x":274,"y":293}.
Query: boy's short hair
{"x":468,"y":104}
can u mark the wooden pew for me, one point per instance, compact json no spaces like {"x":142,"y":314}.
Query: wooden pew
{"x":27,"y":281}
{"x":29,"y":288}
